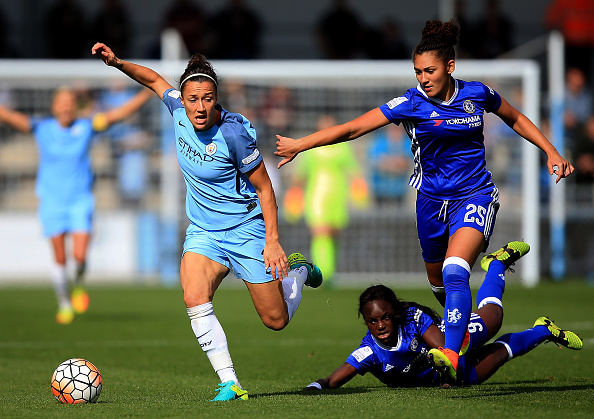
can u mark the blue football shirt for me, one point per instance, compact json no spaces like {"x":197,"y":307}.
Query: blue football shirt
{"x":214,"y":163}
{"x":447,"y":138}
{"x":65,"y":172}
{"x":403,"y":365}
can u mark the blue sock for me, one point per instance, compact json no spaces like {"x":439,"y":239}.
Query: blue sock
{"x":518,"y":344}
{"x":491,"y":291}
{"x":458,"y":305}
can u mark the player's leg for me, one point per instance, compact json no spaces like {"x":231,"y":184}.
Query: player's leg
{"x":53,"y":217}
{"x":435,"y":278}
{"x":463,"y":249}
{"x":433,"y":238}
{"x":488,"y":359}
{"x":200,"y":277}
{"x":79,"y":296}
{"x":80,"y":216}
{"x":277,"y":301}
{"x":65,"y":313}
{"x":490,"y":295}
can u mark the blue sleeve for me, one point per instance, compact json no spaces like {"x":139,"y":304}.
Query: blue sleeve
{"x":241,"y":142}
{"x":492,"y":99}
{"x":172,"y":99}
{"x":362,"y":359}
{"x":398,"y":109}
{"x":423,"y":322}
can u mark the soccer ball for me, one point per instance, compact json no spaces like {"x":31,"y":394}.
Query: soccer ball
{"x":76,"y":381}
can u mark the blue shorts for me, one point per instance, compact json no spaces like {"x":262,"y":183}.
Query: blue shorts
{"x":437,"y":220}
{"x":74,"y":216}
{"x":240,"y":247}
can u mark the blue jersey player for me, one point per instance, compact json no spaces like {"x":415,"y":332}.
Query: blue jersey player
{"x":456,"y":199}
{"x":232,"y":211}
{"x":64,"y":183}
{"x":401,"y":334}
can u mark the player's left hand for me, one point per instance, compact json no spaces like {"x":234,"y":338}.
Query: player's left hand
{"x":105,"y":53}
{"x":559,"y":166}
{"x":276,"y":260}
{"x":286,"y":147}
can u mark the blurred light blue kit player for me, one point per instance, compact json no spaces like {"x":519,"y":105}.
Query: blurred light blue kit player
{"x":232,"y":211}
{"x":456,"y":199}
{"x":65,"y":181}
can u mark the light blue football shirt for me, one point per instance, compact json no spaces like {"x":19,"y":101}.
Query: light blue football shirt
{"x":65,"y":172}
{"x":447,"y":138}
{"x":214,"y":163}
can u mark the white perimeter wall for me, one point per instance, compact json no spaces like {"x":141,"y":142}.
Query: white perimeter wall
{"x":26,"y":255}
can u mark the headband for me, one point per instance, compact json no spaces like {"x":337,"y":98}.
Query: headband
{"x":198,"y":75}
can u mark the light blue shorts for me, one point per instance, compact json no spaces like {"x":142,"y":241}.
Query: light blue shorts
{"x":240,"y":248}
{"x":73,"y":216}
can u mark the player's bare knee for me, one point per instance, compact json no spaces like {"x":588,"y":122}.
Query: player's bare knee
{"x":275,"y":323}
{"x":193,"y":299}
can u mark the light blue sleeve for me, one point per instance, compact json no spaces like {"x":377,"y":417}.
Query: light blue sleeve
{"x":241,"y":140}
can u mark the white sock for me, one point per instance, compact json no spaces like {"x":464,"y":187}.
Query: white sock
{"x":212,"y":340}
{"x":293,"y":287}
{"x":60,"y":282}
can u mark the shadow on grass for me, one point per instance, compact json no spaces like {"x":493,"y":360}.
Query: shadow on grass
{"x":521,"y":387}
{"x":335,"y":392}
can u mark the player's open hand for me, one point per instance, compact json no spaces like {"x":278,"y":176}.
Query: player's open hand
{"x":559,"y":166}
{"x":276,"y":260}
{"x":286,"y":147}
{"x":105,"y":53}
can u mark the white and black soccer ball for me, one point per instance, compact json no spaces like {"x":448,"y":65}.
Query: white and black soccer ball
{"x":76,"y":381}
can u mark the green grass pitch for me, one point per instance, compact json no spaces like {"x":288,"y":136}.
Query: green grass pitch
{"x":141,"y":341}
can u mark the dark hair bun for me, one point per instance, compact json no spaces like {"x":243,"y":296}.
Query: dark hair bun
{"x":441,"y":33}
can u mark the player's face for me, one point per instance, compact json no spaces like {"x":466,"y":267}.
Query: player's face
{"x":199,"y":100}
{"x":64,"y":108}
{"x":434,"y":75}
{"x":378,"y":316}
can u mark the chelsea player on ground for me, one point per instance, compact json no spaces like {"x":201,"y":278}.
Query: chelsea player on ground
{"x":65,"y":181}
{"x":401,"y":333}
{"x":456,"y":200}
{"x":232,"y":210}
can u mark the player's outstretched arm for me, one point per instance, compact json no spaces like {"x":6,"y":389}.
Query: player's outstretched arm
{"x":338,"y":378}
{"x":127,"y":109}
{"x":15,"y":119}
{"x":524,"y":127}
{"x":141,"y":74}
{"x":289,"y":147}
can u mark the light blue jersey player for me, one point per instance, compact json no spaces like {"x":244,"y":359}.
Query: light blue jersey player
{"x":64,"y":184}
{"x":232,"y":211}
{"x":456,"y":199}
{"x":401,"y":335}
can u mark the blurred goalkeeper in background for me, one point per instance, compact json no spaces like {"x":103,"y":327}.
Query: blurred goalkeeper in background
{"x":64,"y":184}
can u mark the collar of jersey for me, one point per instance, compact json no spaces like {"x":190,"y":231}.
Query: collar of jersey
{"x":389,"y":348}
{"x":439,"y":101}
